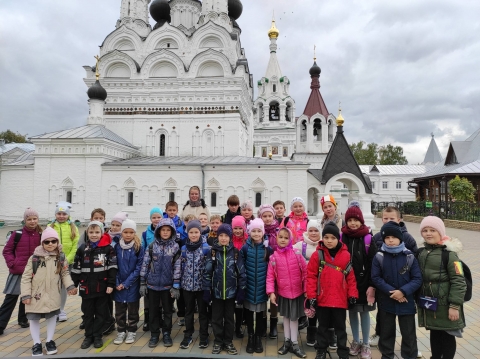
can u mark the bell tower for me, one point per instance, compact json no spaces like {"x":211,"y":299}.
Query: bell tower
{"x":134,"y":15}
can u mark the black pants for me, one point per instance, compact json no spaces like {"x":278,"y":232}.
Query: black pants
{"x":181,"y":305}
{"x":95,"y":313}
{"x":442,"y":343}
{"x":127,"y":312}
{"x":190,"y":299}
{"x":386,"y":343}
{"x":223,"y":320}
{"x":312,"y":322}
{"x":259,"y":322}
{"x":326,"y":318}
{"x":7,"y":309}
{"x":154,"y":298}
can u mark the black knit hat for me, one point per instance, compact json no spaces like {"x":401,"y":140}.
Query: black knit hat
{"x":331,"y":228}
{"x":225,"y":228}
{"x":391,"y":229}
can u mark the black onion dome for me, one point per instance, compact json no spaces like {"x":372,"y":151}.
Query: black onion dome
{"x":97,"y":92}
{"x":160,"y":11}
{"x":315,"y":70}
{"x":235,"y":8}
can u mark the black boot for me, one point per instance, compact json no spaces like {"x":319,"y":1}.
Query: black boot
{"x":332,"y":339}
{"x":311,"y":334}
{"x":258,"y":344}
{"x":295,"y":349}
{"x":273,"y":328}
{"x":250,"y":344}
{"x":146,"y":319}
{"x":285,"y":348}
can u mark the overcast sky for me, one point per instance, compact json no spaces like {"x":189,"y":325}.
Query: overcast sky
{"x":402,"y":69}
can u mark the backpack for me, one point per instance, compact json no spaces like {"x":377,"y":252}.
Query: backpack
{"x":323,"y":263}
{"x":467,"y":274}
{"x":367,"y":240}
{"x":406,"y":267}
{"x":16,"y":240}
{"x":36,"y":260}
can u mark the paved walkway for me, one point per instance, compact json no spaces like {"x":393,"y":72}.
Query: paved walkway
{"x":16,"y":342}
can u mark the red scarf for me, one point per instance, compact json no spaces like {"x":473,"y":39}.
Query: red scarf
{"x":362,"y":231}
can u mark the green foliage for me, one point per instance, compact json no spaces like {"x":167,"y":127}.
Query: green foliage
{"x":365,"y":155}
{"x":462,"y":189}
{"x":12,"y":137}
{"x":373,"y":154}
{"x":391,"y":155}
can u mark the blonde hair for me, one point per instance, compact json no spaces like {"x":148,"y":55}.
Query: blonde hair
{"x":214,"y":217}
{"x":136,"y":243}
{"x":190,"y":217}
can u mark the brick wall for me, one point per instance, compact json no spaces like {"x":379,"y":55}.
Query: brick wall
{"x":470,"y":226}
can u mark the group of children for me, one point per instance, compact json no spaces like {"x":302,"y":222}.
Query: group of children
{"x":240,"y":263}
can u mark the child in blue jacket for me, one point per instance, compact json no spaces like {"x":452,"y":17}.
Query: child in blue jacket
{"x":396,"y":275}
{"x":130,"y":253}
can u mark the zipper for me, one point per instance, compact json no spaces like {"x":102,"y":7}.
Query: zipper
{"x":224,"y":272}
{"x":193,"y":273}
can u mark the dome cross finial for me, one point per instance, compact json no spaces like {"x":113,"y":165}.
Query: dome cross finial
{"x":340,"y":119}
{"x":314,"y":52}
{"x":273,"y":33}
{"x":97,"y":74}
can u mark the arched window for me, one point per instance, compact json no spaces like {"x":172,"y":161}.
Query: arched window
{"x":258,"y":199}
{"x":69,"y":197}
{"x":317,"y":129}
{"x":171,"y":196}
{"x":130,"y":199}
{"x":213,"y":199}
{"x":162,"y":145}
{"x":274,"y":112}
{"x":288,"y":111}
{"x":274,"y":88}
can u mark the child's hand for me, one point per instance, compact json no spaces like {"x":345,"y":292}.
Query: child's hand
{"x":273,"y":298}
{"x":109,"y":290}
{"x":26,"y":301}
{"x":120,"y":287}
{"x":453,"y":314}
{"x":398,"y":296}
{"x":72,"y":291}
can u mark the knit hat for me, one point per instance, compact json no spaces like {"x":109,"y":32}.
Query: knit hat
{"x":314,"y":223}
{"x":297,"y":199}
{"x":265,"y":208}
{"x":391,"y":229}
{"x":354,"y":211}
{"x":100,"y":224}
{"x":64,"y":207}
{"x":49,"y":232}
{"x":194,"y":224}
{"x":328,"y":198}
{"x":331,"y":228}
{"x":226,"y":229}
{"x":29,"y":212}
{"x":247,"y":204}
{"x":239,"y":221}
{"x":120,"y":217}
{"x":129,"y":224}
{"x":256,"y":223}
{"x":434,"y":222}
{"x":156,"y":210}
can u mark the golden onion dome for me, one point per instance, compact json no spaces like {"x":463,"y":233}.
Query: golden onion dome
{"x":273,"y":33}
{"x":340,"y":119}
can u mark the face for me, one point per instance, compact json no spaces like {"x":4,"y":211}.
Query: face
{"x":156,"y":217}
{"x":61,"y":217}
{"x":115,"y":227}
{"x":165,"y":232}
{"x":298,"y":208}
{"x":194,"y":235}
{"x":354,"y":223}
{"x":238,"y":231}
{"x":390,"y":217}
{"x":246,"y":213}
{"x":172,"y":211}
{"x":279,"y":210}
{"x":257,"y":235}
{"x":31,"y":222}
{"x":94,"y":234}
{"x":329,"y":209}
{"x":98,"y":217}
{"x":330,"y":241}
{"x":282,"y":239}
{"x":203,"y":220}
{"x":267,"y":218}
{"x":128,"y":235}
{"x":215,"y":224}
{"x":223,"y":239}
{"x":314,"y":234}
{"x":431,"y":235}
{"x":50,"y":244}
{"x":392,"y":241}
{"x":233,"y":208}
{"x":194,"y":194}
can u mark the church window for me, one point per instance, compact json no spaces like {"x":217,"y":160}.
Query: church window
{"x":274,"y":112}
{"x":213,"y":199}
{"x":373,"y":185}
{"x":130,"y":199}
{"x":171,"y":196}
{"x":303,"y":131}
{"x":317,"y":129}
{"x":162,"y":145}
{"x":69,"y":197}
{"x":274,"y":88}
{"x":385,"y":185}
{"x":168,"y":44}
{"x":398,"y":185}
{"x":258,"y":199}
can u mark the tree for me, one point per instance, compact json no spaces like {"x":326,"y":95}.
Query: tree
{"x":365,"y":155}
{"x":390,"y":155}
{"x":462,"y":189}
{"x":12,"y":137}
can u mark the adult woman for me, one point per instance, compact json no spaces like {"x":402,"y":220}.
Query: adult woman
{"x":17,"y":251}
{"x":329,"y":207}
{"x":195,"y":205}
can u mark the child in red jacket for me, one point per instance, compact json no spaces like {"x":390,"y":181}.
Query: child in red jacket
{"x":328,"y":293}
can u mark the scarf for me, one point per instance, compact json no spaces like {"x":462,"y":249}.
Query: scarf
{"x":394,"y":249}
{"x":298,"y":226}
{"x":333,"y":252}
{"x":289,"y":246}
{"x":271,"y":234}
{"x":362,"y":231}
{"x":193,"y":246}
{"x":195,"y":203}
{"x":326,"y":220}
{"x":126,"y":245}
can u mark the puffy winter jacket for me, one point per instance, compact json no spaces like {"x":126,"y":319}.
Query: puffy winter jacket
{"x":17,"y":260}
{"x":129,"y":266}
{"x":193,"y":267}
{"x":335,"y":287}
{"x":148,"y":236}
{"x":287,"y":273}
{"x":44,"y":287}
{"x":224,"y":272}
{"x":307,"y":247}
{"x":450,"y":291}
{"x":297,"y":225}
{"x":65,"y":233}
{"x":390,"y":278}
{"x":227,"y":217}
{"x":408,"y":239}
{"x":256,"y":257}
{"x":95,"y":268}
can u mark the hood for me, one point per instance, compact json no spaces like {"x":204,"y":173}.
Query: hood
{"x":106,"y":240}
{"x":454,"y":245}
{"x":309,"y":241}
{"x":41,"y":252}
{"x":166,"y":222}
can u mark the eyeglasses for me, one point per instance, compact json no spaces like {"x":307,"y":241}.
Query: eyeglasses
{"x":53,"y":241}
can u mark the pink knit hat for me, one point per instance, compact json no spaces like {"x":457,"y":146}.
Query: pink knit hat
{"x":29,"y":212}
{"x":256,"y":223}
{"x":120,"y":217}
{"x":239,"y":221}
{"x":265,"y":208}
{"x":435,"y":223}
{"x":48,"y":233}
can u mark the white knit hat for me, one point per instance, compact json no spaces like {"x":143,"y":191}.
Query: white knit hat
{"x":129,"y":224}
{"x":297,"y":199}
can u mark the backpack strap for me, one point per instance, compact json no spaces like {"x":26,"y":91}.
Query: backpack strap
{"x":368,"y":241}
{"x":380,"y":257}
{"x":176,"y":256}
{"x":16,"y":240}
{"x":304,"y":250}
{"x":321,"y":261}
{"x":35,"y":263}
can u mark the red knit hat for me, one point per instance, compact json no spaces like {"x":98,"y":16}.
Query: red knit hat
{"x":354,"y":211}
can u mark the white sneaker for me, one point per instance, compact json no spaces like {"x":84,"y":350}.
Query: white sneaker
{"x":130,"y":338}
{"x":419,"y":354}
{"x":119,"y":339}
{"x":373,"y":340}
{"x":62,"y":317}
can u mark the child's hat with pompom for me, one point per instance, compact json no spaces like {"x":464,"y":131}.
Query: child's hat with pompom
{"x":354,"y":211}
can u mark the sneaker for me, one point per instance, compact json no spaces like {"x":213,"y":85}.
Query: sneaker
{"x":62,"y":317}
{"x":186,"y":342}
{"x":203,"y":344}
{"x":82,"y":325}
{"x":37,"y":350}
{"x":419,"y":354}
{"x":130,"y":338}
{"x":366,"y":353}
{"x":230,"y":348}
{"x":87,"y":343}
{"x":51,"y":348}
{"x":355,"y":348}
{"x":181,"y":322}
{"x":321,"y":354}
{"x":120,"y":338}
{"x":153,"y":342}
{"x":373,"y":340}
{"x":217,"y":349}
{"x":295,"y":349}
{"x":167,"y":340}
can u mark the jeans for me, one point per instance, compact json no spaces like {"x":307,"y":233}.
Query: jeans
{"x":190,"y":299}
{"x":7,"y":309}
{"x":223,"y":320}
{"x":326,"y":318}
{"x":386,"y":343}
{"x":127,"y":312}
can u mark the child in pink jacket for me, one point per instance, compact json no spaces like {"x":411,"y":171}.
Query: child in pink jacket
{"x":286,"y":280}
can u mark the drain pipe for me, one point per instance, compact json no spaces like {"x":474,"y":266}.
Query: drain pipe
{"x":202,"y":166}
